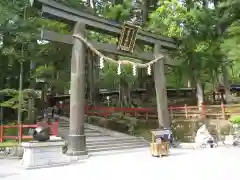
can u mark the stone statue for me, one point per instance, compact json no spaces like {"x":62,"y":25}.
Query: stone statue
{"x":204,"y":138}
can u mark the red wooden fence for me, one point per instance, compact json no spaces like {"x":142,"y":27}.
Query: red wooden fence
{"x":182,"y":112}
{"x":205,"y":111}
{"x":53,"y":129}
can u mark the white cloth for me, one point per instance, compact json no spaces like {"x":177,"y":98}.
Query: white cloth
{"x":202,"y":136}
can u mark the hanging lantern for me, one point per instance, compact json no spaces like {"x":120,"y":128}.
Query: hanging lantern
{"x":101,"y":63}
{"x":134,"y":70}
{"x":128,"y":37}
{"x":119,"y":68}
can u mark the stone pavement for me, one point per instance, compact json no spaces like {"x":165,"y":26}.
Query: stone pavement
{"x":220,"y":163}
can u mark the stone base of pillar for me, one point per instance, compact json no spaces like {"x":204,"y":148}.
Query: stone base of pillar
{"x":43,"y":154}
{"x":76,"y":145}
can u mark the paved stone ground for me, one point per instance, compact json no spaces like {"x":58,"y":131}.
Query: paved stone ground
{"x":220,"y":163}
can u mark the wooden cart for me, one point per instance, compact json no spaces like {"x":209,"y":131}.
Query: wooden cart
{"x":158,"y":147}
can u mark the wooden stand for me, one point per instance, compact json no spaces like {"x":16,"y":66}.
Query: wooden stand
{"x":159,"y":149}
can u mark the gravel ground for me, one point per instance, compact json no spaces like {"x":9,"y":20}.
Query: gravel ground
{"x":219,"y":163}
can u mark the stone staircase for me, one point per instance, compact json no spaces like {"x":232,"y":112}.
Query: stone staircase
{"x":103,"y":140}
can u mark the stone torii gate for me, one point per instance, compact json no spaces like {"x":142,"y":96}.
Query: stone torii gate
{"x":83,"y":21}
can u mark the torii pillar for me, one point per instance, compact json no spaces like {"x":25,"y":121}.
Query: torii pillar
{"x":161,"y":90}
{"x":76,"y":137}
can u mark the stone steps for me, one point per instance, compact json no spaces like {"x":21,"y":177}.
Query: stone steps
{"x":112,"y":140}
{"x":100,"y":140}
{"x":118,"y":151}
{"x":120,"y":147}
{"x":116,"y":144}
{"x":88,"y":134}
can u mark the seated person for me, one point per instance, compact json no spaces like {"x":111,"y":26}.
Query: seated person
{"x":203,"y":138}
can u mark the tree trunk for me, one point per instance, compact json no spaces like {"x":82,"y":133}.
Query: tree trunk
{"x":90,"y":81}
{"x":31,"y":111}
{"x":116,"y":2}
{"x":205,"y":3}
{"x":200,"y":92}
{"x":149,"y":86}
{"x":189,"y":4}
{"x":145,"y":10}
{"x":89,"y":3}
{"x":124,"y":94}
{"x":141,"y":78}
{"x":154,"y":4}
{"x":96,"y":80}
{"x":228,"y":96}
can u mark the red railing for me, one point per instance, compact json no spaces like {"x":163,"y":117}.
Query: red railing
{"x":108,"y":111}
{"x":53,"y":129}
{"x":205,"y":111}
